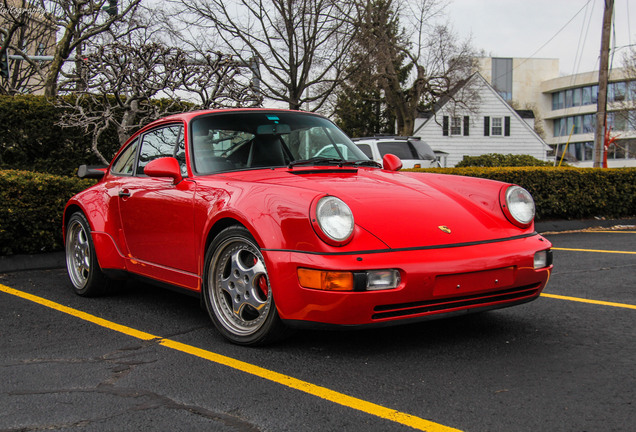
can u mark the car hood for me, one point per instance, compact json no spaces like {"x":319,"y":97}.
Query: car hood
{"x":407,"y":210}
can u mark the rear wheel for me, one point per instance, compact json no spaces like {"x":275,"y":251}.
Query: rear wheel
{"x":81,"y":262}
{"x":237,"y":292}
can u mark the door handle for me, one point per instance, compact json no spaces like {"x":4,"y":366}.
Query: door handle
{"x":124,"y":193}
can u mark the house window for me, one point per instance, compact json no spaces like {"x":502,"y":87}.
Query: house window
{"x":456,"y":126}
{"x":496,"y":125}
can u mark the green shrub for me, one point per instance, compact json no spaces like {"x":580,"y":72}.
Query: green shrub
{"x":31,"y":140}
{"x":501,"y":160}
{"x":32,"y":203}
{"x":567,"y":193}
{"x":31,"y":211}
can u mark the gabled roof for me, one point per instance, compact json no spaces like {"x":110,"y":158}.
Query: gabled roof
{"x":476,"y":76}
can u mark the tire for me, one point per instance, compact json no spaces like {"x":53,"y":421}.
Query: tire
{"x":237,"y":292}
{"x":81,"y":261}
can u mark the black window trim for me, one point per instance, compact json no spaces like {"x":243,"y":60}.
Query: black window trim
{"x":160,"y":126}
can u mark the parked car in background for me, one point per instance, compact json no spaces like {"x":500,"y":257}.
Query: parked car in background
{"x":413,"y":152}
{"x":275,"y":219}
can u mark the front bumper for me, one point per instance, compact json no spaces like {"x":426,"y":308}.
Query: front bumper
{"x":434,"y":283}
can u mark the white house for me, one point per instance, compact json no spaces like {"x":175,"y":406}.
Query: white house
{"x":492,"y":127}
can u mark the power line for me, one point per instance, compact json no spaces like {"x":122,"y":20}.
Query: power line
{"x":554,"y":36}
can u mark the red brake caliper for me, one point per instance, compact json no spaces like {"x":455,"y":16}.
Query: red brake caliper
{"x":262,"y":282}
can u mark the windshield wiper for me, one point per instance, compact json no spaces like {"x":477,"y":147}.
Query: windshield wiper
{"x":369,"y":162}
{"x":333,"y":161}
{"x":317,"y":161}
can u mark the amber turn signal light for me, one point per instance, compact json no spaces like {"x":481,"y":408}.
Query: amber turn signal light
{"x":325,"y":280}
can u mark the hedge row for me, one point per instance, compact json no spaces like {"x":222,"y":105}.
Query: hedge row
{"x":567,"y":193}
{"x":31,"y":210}
{"x":31,"y":139}
{"x":32,"y":204}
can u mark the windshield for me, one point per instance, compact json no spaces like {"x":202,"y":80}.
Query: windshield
{"x":260,"y":139}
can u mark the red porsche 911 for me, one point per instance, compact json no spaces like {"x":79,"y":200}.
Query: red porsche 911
{"x":277,"y":220}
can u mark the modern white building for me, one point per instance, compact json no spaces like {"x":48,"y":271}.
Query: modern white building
{"x":570,"y":121}
{"x":565,"y":106}
{"x":492,"y":126}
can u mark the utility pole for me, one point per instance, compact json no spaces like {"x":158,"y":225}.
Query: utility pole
{"x":603,"y":75}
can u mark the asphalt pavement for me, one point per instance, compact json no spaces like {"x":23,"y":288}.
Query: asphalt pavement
{"x":150,"y":359}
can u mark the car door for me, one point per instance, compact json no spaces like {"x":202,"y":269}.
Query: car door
{"x":157,"y":214}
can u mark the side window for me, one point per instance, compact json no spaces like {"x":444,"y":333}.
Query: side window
{"x":158,"y":143}
{"x":125,"y":163}
{"x":366,"y":149}
{"x":401,"y":149}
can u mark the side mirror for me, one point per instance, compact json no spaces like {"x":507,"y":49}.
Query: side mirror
{"x":164,"y":167}
{"x":94,"y":172}
{"x":391,"y":162}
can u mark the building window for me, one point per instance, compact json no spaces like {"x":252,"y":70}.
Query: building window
{"x":576,"y":97}
{"x":496,"y":126}
{"x":557,"y":101}
{"x":587,"y":96}
{"x":588,"y":123}
{"x":456,"y":126}
{"x":502,"y":77}
{"x":616,"y":91}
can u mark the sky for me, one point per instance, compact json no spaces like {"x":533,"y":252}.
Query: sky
{"x":569,"y":29}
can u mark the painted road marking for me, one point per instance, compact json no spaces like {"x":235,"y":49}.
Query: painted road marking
{"x":594,"y":250}
{"x":596,"y":302}
{"x":614,"y":232}
{"x":288,"y":381}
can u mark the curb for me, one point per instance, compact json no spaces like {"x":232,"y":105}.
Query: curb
{"x":56,"y":260}
{"x":45,"y":261}
{"x":576,"y":225}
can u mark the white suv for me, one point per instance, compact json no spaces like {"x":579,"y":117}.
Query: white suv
{"x":413,"y":152}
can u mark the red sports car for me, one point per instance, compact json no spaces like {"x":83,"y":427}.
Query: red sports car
{"x":277,"y":220}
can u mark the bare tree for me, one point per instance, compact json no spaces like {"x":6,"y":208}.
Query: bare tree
{"x":131,"y":81}
{"x":299,"y":44}
{"x":417,"y":63}
{"x":80,"y":21}
{"x":74,"y":22}
{"x":25,"y":30}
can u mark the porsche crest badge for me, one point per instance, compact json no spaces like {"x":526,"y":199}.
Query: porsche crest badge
{"x":444,"y":228}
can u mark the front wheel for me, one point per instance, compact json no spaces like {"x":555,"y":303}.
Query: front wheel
{"x":81,"y":262}
{"x":237,"y":292}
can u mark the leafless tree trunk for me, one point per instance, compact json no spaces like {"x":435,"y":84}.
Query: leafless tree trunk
{"x":31,"y":27}
{"x":25,"y":31}
{"x":301,"y":45}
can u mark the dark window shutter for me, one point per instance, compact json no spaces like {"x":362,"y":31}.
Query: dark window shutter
{"x":507,"y":126}
{"x":486,"y":126}
{"x":466,"y":125}
{"x":445,"y":126}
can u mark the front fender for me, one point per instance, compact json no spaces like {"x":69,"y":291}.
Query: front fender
{"x":102,"y":220}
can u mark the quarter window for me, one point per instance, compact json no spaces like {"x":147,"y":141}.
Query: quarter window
{"x":366,"y":149}
{"x":125,"y":163}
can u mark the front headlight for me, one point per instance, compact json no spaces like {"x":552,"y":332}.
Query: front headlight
{"x":335,"y":220}
{"x":519,"y":206}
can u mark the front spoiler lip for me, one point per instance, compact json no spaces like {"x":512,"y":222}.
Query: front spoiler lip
{"x":409,"y":249}
{"x":313,"y":325}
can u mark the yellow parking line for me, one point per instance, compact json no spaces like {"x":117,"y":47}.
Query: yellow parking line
{"x":613,"y":232}
{"x":596,"y":302}
{"x":594,"y":250}
{"x":288,"y":381}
